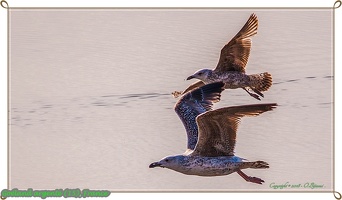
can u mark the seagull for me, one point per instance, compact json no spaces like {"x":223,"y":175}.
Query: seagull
{"x":214,"y":134}
{"x":231,"y":66}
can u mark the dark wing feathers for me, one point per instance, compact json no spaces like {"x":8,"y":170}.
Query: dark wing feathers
{"x":194,"y":103}
{"x":217,"y":128}
{"x":193,"y":86}
{"x":234,"y":55}
{"x":207,"y":95}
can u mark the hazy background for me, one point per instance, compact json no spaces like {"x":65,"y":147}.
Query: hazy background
{"x":90,"y":103}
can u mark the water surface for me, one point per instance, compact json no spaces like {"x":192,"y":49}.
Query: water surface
{"x":90,"y":103}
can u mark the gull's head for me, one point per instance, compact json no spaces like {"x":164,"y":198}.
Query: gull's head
{"x":202,"y":75}
{"x":170,"y":162}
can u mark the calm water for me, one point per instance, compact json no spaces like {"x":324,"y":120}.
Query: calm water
{"x":90,"y":103}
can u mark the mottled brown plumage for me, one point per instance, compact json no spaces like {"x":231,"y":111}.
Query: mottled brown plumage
{"x":213,"y":154}
{"x":232,"y":63}
{"x":217,"y":128}
{"x":234,"y":55}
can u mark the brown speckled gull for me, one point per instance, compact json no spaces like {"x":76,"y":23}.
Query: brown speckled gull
{"x":232,"y":63}
{"x":214,"y":133}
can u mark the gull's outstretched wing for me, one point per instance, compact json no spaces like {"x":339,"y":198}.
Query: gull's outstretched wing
{"x":217,"y":128}
{"x":234,"y":55}
{"x":193,"y":103}
{"x":193,"y":86}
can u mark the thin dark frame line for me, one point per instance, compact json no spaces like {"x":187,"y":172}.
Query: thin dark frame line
{"x":174,"y":8}
{"x":180,"y":8}
{"x":333,"y":96}
{"x":8,"y":96}
{"x":218,"y":191}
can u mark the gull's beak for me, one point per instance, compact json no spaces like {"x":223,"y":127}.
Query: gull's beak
{"x":155,"y":164}
{"x":190,"y":77}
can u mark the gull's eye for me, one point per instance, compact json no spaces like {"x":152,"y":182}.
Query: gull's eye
{"x":166,"y":160}
{"x":200,"y":73}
